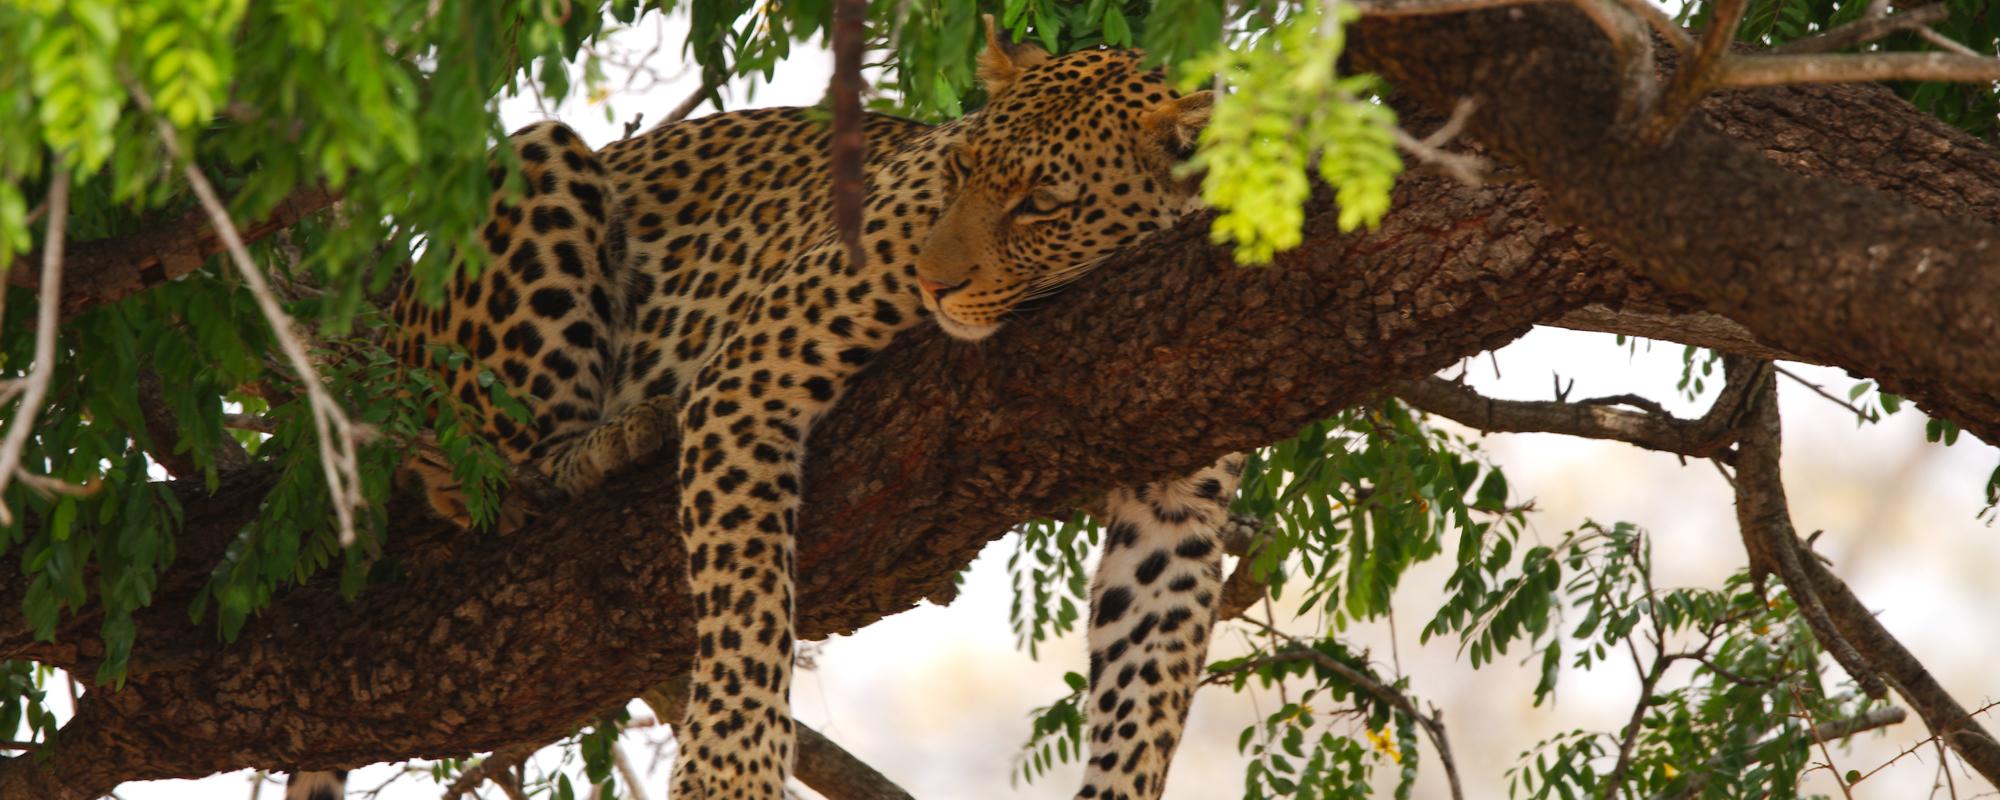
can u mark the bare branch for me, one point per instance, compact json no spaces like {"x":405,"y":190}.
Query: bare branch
{"x":1706,"y":437}
{"x":35,"y":386}
{"x":1780,"y":70}
{"x":832,"y":771}
{"x":633,"y":782}
{"x":1868,"y":29}
{"x":1464,"y":167}
{"x":686,"y":107}
{"x":1947,"y":44}
{"x":338,"y":438}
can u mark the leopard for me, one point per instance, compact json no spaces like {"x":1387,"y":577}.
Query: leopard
{"x":690,"y":279}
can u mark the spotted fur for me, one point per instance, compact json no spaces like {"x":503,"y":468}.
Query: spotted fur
{"x":690,"y":279}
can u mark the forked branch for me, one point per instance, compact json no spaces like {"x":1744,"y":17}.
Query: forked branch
{"x":1843,"y":624}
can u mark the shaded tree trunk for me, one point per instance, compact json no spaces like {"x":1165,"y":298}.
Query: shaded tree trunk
{"x":1160,"y":362}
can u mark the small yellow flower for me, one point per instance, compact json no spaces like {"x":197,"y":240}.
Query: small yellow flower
{"x":1384,"y":742}
{"x":1671,"y":772}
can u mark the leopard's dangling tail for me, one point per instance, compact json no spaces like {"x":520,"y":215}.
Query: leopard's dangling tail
{"x":317,"y":785}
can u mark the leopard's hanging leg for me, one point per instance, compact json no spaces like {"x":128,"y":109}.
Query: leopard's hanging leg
{"x":742,"y":450}
{"x":1152,"y":607}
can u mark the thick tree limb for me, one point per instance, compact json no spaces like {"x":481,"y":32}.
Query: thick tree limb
{"x":1124,"y":379}
{"x":108,"y":270}
{"x":1835,"y":273}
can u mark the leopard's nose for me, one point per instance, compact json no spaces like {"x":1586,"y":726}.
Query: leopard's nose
{"x":939,"y":289}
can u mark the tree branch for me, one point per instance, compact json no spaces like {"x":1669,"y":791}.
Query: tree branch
{"x":832,"y":771}
{"x":1865,"y":30}
{"x":1890,"y":287}
{"x":1706,"y":437}
{"x":942,"y":446}
{"x":1844,"y":626}
{"x":1781,"y":70}
{"x":109,"y":270}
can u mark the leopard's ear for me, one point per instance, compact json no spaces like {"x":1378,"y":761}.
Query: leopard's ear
{"x":1174,"y":126}
{"x":1003,"y":60}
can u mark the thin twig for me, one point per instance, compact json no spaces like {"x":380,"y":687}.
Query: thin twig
{"x":36,"y":384}
{"x":633,"y":785}
{"x":1867,"y":30}
{"x":1648,"y":679}
{"x":1948,"y":44}
{"x":1825,"y":752}
{"x":338,"y":438}
{"x":686,"y":107}
{"x":493,"y":768}
{"x":1433,"y":725}
{"x":1464,"y":167}
{"x":1859,"y":414}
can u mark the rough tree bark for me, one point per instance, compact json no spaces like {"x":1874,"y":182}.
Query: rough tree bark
{"x":1158,"y":363}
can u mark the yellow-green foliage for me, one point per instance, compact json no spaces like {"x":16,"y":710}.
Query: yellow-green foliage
{"x":1288,"y":106}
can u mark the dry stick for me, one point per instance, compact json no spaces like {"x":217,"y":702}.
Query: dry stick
{"x":837,"y":774}
{"x":39,"y":375}
{"x":336,"y":434}
{"x":1706,"y":437}
{"x":1867,"y":30}
{"x":1463,"y":167}
{"x":848,"y":143}
{"x":1948,"y":44}
{"x":1824,"y":751}
{"x":625,"y":770}
{"x":1768,"y":70}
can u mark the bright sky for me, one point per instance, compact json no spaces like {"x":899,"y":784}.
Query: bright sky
{"x":938,"y":698}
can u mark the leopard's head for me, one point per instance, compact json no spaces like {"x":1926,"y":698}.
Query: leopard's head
{"x":1070,"y":160}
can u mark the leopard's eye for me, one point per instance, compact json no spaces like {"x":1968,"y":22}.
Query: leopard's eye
{"x":1040,"y":203}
